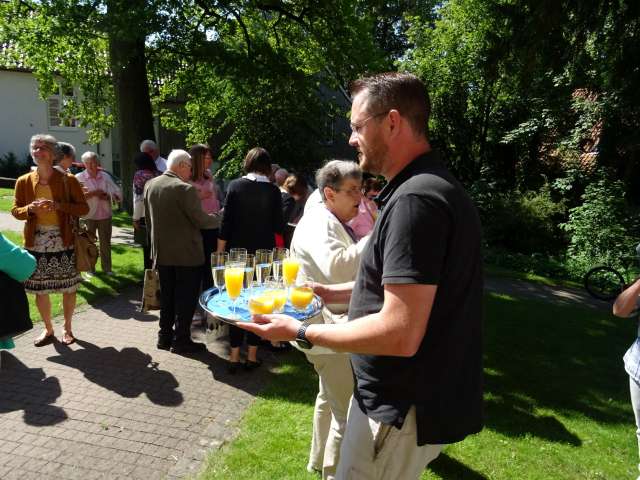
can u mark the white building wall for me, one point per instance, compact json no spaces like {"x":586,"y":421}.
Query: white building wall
{"x":23,"y":114}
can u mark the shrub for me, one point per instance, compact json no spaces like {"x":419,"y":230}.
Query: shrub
{"x":10,"y":166}
{"x":600,"y":229}
{"x":525,"y":223}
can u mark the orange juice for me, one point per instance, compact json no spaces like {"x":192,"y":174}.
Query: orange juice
{"x":301,"y":297}
{"x":279,"y":299}
{"x":233,"y":278}
{"x":262,"y":304}
{"x":290,"y":270}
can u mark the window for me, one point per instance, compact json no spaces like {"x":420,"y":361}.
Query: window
{"x":56,"y":105}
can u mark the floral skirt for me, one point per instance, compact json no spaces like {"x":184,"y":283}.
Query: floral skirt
{"x":55,"y":264}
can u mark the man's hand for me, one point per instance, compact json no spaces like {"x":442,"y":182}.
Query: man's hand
{"x":272,"y":327}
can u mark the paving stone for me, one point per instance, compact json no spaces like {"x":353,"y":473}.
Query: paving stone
{"x":112,"y":405}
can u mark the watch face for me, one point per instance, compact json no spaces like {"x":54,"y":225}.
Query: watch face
{"x":304,"y":343}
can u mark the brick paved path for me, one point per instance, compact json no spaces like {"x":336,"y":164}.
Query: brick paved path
{"x":112,"y":405}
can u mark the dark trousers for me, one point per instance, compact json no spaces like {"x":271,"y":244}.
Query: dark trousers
{"x":209,"y":244}
{"x":179,"y":288}
{"x":236,"y":335}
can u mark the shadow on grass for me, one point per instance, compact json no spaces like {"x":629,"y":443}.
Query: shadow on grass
{"x":452,"y":469}
{"x":30,"y":390}
{"x":128,"y":372}
{"x":543,"y":356}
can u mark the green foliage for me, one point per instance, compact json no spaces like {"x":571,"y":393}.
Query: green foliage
{"x":523,"y":222}
{"x":11,"y":167}
{"x":600,"y":228}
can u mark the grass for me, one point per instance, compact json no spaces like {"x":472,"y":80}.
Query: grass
{"x":6,"y":199}
{"x":556,"y":401}
{"x":126,"y":264}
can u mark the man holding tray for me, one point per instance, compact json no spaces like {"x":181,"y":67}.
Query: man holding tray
{"x":415,"y":329}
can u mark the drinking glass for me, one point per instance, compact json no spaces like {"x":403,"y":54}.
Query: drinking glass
{"x":238,"y":255}
{"x":264,"y":259}
{"x":233,"y":279}
{"x":218,"y":262}
{"x":290,"y":267}
{"x":260,"y":302}
{"x":301,"y":293}
{"x":279,"y":254}
{"x":276,"y":290}
{"x":249,"y":267}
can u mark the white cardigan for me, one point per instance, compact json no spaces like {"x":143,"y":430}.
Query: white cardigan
{"x":328,"y":255}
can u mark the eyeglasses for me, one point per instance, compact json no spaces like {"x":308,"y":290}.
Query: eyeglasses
{"x":353,"y":192}
{"x":355,"y":128}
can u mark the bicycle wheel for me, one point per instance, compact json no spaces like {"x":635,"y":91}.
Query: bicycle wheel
{"x":604,"y":283}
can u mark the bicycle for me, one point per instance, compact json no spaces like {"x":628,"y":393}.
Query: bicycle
{"x":606,"y":283}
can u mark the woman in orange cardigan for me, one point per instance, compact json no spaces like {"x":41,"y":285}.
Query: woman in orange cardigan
{"x":41,"y":200}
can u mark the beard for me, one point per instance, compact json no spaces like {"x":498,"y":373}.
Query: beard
{"x":371,"y":159}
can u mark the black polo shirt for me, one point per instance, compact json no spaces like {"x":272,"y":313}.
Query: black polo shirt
{"x":428,"y":232}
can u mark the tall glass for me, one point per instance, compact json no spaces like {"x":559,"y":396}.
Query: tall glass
{"x":290,"y":267}
{"x":249,"y":267}
{"x":218,"y":262}
{"x":233,"y":279}
{"x":279,"y":254}
{"x":238,"y":255}
{"x":264,"y":259}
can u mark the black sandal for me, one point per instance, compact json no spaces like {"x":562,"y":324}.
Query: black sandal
{"x":43,"y":340}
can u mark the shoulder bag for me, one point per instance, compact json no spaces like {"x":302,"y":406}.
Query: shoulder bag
{"x":84,"y":241}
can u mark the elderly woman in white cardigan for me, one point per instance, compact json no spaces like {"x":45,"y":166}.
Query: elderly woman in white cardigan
{"x":329,"y":253}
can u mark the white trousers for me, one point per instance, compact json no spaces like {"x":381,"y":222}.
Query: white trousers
{"x":634,"y":390}
{"x":330,"y":412}
{"x":375,"y":451}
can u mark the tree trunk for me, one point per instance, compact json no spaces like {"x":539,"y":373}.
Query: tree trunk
{"x":134,"y":120}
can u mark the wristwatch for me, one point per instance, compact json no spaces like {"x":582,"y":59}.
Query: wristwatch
{"x":301,"y":337}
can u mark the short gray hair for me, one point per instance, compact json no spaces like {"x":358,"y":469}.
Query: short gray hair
{"x":280,"y":176}
{"x":148,"y":144}
{"x":90,"y":155}
{"x":46,"y":138}
{"x":176,"y":157}
{"x":334,"y":172}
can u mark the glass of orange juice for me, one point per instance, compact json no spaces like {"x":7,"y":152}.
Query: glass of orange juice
{"x":300,"y":297}
{"x":275,"y":289}
{"x":261,"y":304}
{"x":233,"y":278}
{"x":290,"y":267}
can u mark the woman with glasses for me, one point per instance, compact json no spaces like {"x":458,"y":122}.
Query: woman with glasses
{"x":50,"y":201}
{"x":329,"y":253}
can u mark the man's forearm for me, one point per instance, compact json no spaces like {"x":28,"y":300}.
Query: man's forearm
{"x":337,"y":293}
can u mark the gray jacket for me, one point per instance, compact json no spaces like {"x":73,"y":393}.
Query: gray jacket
{"x":174,"y":218}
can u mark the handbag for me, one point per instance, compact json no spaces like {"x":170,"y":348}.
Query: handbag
{"x":84,"y":242}
{"x":151,"y":290}
{"x":14,"y":314}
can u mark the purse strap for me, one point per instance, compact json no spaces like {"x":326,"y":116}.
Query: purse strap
{"x":73,"y":221}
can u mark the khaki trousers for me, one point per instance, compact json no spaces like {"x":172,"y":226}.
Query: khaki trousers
{"x":375,"y":451}
{"x":330,"y":412}
{"x":104,"y":239}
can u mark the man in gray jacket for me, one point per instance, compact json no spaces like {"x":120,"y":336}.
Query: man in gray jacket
{"x":175,"y":218}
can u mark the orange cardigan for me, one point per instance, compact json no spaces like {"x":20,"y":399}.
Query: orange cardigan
{"x":25,"y":194}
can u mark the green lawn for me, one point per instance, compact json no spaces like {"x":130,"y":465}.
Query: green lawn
{"x":6,"y":199}
{"x":127,"y":266}
{"x":556,"y":398}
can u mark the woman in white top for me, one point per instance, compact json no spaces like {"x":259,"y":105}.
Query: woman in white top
{"x":329,"y":253}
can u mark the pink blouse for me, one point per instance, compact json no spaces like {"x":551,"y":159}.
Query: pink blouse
{"x":211,"y":204}
{"x":362,"y":223}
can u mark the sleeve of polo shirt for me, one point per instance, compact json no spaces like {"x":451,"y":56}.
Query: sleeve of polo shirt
{"x":415,"y":241}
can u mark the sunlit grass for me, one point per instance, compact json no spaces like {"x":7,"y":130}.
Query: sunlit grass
{"x":556,"y":402}
{"x":126,"y":265}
